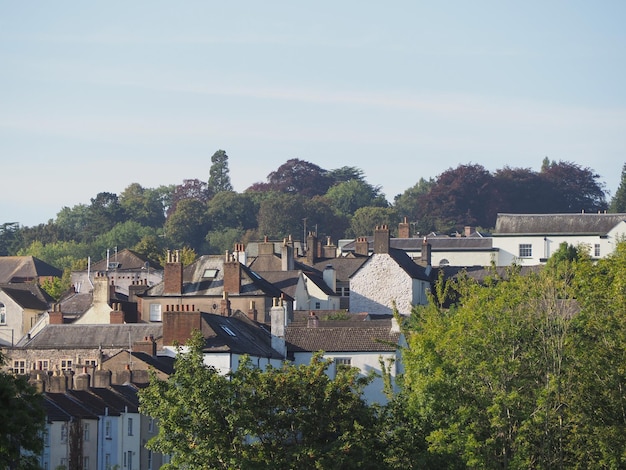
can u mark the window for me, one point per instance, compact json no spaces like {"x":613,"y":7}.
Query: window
{"x":150,"y":424}
{"x":210,"y":273}
{"x":43,"y":364}
{"x":525,"y":250}
{"x":596,"y":250}
{"x":149,"y":459}
{"x":3,"y":314}
{"x":130,"y":426}
{"x":155,"y":312}
{"x":64,"y":432}
{"x":107,"y":429}
{"x":343,"y":361}
{"x":318,"y":305}
{"x":107,"y":461}
{"x":19,"y":367}
{"x":46,"y":438}
{"x":66,"y":364}
{"x":343,"y":291}
{"x":85,"y":463}
{"x":129,"y":459}
{"x":91,"y":362}
{"x":86,"y":432}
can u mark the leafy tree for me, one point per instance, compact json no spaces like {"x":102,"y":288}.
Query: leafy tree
{"x":61,"y":255}
{"x":618,"y":203}
{"x":72,"y":222}
{"x":366,"y":219}
{"x":190,"y":189}
{"x":348,"y":196}
{"x":280,"y":215}
{"x":143,"y":205}
{"x":321,"y":215}
{"x":9,"y":238}
{"x":229,"y":209}
{"x":221,"y":240}
{"x":296,"y":177}
{"x":522,"y":190}
{"x":151,"y":246}
{"x":57,"y":286}
{"x":188,"y":225}
{"x":574,"y":189}
{"x":103,"y":214}
{"x":219,"y":179}
{"x":288,"y":417}
{"x":407,"y":204}
{"x":345,"y":174}
{"x":124,"y":235}
{"x":22,"y":416}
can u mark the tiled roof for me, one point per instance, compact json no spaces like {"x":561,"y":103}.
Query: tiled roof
{"x":93,"y":336}
{"x":341,"y":338}
{"x":27,"y":295}
{"x":60,"y":406}
{"x":18,"y":268}
{"x":442,"y":243}
{"x":126,"y":260}
{"x":544,"y":224}
{"x":344,"y":267}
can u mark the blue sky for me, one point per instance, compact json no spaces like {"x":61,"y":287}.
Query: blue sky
{"x":97,"y":95}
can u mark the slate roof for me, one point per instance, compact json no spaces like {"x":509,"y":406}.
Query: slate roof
{"x":236,"y":334}
{"x":344,"y":267}
{"x":437,"y":243}
{"x":60,"y":407}
{"x":92,"y":336}
{"x":552,"y":224}
{"x":194,"y":284}
{"x":21,"y":268}
{"x":355,"y":337}
{"x":164,"y":364}
{"x":94,"y":403}
{"x":28,"y":295}
{"x":116,"y":400}
{"x":127,"y":260}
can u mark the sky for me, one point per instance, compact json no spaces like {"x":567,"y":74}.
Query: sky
{"x":95,"y":96}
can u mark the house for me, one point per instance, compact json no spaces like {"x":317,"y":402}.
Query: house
{"x":16,"y":269}
{"x":365,"y":344}
{"x":21,"y":306}
{"x":123,"y":269}
{"x":390,"y":278}
{"x":530,"y":239}
{"x":211,"y":284}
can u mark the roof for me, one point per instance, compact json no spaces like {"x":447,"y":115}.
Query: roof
{"x":92,"y":336}
{"x":438,"y":243}
{"x":404,"y":261}
{"x":195,"y":284}
{"x":354,"y":337}
{"x":60,"y":407}
{"x":344,"y":267}
{"x":550,"y":224}
{"x":236,"y":334}
{"x":28,"y":295}
{"x":24,"y":268}
{"x":164,"y":364}
{"x":125,"y":260}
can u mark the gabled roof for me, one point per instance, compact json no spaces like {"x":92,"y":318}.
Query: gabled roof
{"x":126,"y":260}
{"x":344,"y":267}
{"x":115,"y":400}
{"x":195,"y":284}
{"x":367,"y":336}
{"x":25,"y":268}
{"x":164,"y":364}
{"x":404,"y":261}
{"x":92,"y":336}
{"x":236,"y":334}
{"x":551,"y":224}
{"x":60,"y":407}
{"x":27,"y":295}
{"x":93,"y":403}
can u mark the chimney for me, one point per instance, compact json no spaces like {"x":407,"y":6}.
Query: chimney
{"x":404,"y":229}
{"x":101,"y":290}
{"x":362,"y":246}
{"x":58,"y":382}
{"x":135,"y":289}
{"x":178,"y":326}
{"x":147,"y":346}
{"x":240,"y":253}
{"x":173,"y":274}
{"x":82,"y":380}
{"x":329,"y":250}
{"x":266,"y":247}
{"x":38,"y":383}
{"x":311,"y":246}
{"x":117,"y":315}
{"x":286,"y":255}
{"x":330,"y":277}
{"x":381,"y":239}
{"x":232,"y":275}
{"x":252,"y":311}
{"x":279,"y":319}
{"x":469,"y":230}
{"x":101,"y":378}
{"x":121,"y":377}
{"x":56,"y":316}
{"x":313,"y":321}
{"x":426,"y":253}
{"x":225,"y":310}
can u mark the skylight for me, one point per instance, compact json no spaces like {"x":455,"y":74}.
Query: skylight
{"x":210,"y":273}
{"x":228,"y":330}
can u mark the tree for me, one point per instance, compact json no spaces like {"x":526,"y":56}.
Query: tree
{"x":366,"y":219}
{"x":345,"y":174}
{"x":296,"y":176}
{"x":190,"y":189}
{"x":9,"y":238}
{"x":618,"y":203}
{"x":522,"y":191}
{"x":295,"y":416}
{"x":573,"y":189}
{"x":229,"y":209}
{"x":348,"y":196}
{"x":23,"y":417}
{"x":407,"y":204}
{"x":280,"y":215}
{"x":188,"y":225}
{"x":143,"y":205}
{"x":219,"y":179}
{"x":103,"y":214}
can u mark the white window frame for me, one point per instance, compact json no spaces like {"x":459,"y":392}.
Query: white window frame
{"x":3,"y":314}
{"x":66,"y":364}
{"x":156,"y":313}
{"x":596,"y":250}
{"x":130,"y":426}
{"x":525,"y":250}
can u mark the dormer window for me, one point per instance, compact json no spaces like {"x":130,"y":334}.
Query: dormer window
{"x":113,"y":265}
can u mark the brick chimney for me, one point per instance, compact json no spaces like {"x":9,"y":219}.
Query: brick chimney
{"x":56,"y":316}
{"x":147,"y":346}
{"x":136,"y":288}
{"x":266,"y":247}
{"x":58,"y":382}
{"x":469,"y":230}
{"x":426,"y":256}
{"x":82,"y":380}
{"x":330,"y":249}
{"x":252,"y":311}
{"x":362,"y":246}
{"x":239,"y":252}
{"x":117,"y":315}
{"x":101,"y":289}
{"x":121,"y":377}
{"x":313,"y":321}
{"x":232,"y":275}
{"x":178,"y":326}
{"x":381,"y":239}
{"x":311,"y":247}
{"x":279,"y":319}
{"x":404,"y":230}
{"x":173,"y":274}
{"x":330,"y":277}
{"x":225,"y":310}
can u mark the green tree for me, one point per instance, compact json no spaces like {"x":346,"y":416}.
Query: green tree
{"x":407,"y":203}
{"x":23,"y":417}
{"x":219,"y":178}
{"x":366,"y":219}
{"x":9,"y":238}
{"x":295,"y":416}
{"x":231,"y":210}
{"x":348,"y":196}
{"x":280,"y":215}
{"x":296,"y":176}
{"x":188,"y":225}
{"x":221,"y":240}
{"x":143,"y":205}
{"x":618,"y":202}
